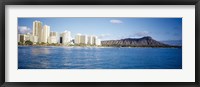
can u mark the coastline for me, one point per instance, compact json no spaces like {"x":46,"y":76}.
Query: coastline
{"x":95,"y":46}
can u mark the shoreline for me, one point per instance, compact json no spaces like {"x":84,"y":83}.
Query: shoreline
{"x":94,"y":46}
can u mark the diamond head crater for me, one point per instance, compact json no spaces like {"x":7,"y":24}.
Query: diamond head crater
{"x":146,"y":41}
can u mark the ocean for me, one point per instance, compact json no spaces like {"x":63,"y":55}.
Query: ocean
{"x":58,"y":57}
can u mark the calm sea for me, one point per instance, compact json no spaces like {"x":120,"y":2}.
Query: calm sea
{"x":37,"y":57}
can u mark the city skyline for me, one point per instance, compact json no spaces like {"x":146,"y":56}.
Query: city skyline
{"x":42,"y":34}
{"x":111,"y":28}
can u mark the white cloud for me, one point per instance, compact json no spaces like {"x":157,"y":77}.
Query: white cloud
{"x":116,"y":21}
{"x":23,"y":30}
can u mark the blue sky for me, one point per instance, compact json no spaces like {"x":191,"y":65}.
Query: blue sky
{"x":111,"y":28}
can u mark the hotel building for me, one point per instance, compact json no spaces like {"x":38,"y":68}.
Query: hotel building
{"x":90,"y":40}
{"x":37,"y":30}
{"x":83,"y":39}
{"x":77,"y":39}
{"x":45,"y":33}
{"x":94,"y":40}
{"x":18,"y":37}
{"x":24,"y":38}
{"x":34,"y":39}
{"x":65,"y":37}
{"x":53,"y":38}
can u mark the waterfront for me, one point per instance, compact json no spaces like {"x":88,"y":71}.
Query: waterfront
{"x":52,"y":57}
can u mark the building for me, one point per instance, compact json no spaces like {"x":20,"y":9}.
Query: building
{"x":83,"y":39}
{"x":45,"y":33}
{"x":34,"y":39}
{"x":94,"y":40}
{"x":42,"y":34}
{"x":98,"y":42}
{"x":53,"y":38}
{"x":65,"y":37}
{"x":68,"y":36}
{"x":90,"y":40}
{"x":23,"y":38}
{"x":53,"y":33}
{"x":77,"y":39}
{"x":37,"y":30}
{"x":28,"y":36}
{"x":61,"y":41}
{"x":18,"y":37}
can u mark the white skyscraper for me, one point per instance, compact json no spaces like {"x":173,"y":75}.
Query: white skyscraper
{"x":28,"y":36}
{"x":34,"y":39}
{"x":66,"y":37}
{"x":53,"y":33}
{"x":37,"y":30}
{"x":94,"y":39}
{"x":45,"y":33}
{"x":90,"y":40}
{"x":83,"y":39}
{"x":77,"y":39}
{"x":18,"y":37}
{"x":53,"y":38}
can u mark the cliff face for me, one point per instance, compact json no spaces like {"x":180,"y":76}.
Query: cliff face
{"x":131,"y":42}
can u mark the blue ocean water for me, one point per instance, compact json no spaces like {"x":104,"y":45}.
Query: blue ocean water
{"x":39,"y":57}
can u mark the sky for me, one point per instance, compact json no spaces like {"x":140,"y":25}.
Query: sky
{"x":107,"y":28}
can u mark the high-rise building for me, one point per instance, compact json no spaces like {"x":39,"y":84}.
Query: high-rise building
{"x":94,"y":39}
{"x":37,"y":30}
{"x":45,"y":33}
{"x":83,"y":39}
{"x":66,"y":37}
{"x":77,"y":39}
{"x":53,"y":33}
{"x":53,"y":38}
{"x":28,"y":36}
{"x":90,"y":40}
{"x":23,"y":38}
{"x":98,"y":42}
{"x":61,"y":41}
{"x":18,"y":37}
{"x":34,"y":39}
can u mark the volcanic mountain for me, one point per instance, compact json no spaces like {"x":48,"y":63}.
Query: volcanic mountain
{"x":135,"y":42}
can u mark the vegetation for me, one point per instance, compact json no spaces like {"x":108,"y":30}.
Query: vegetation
{"x":20,"y":43}
{"x":30,"y":43}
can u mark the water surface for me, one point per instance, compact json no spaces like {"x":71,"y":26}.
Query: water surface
{"x":38,"y":57}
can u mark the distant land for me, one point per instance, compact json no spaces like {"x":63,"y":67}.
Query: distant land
{"x":146,"y":41}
